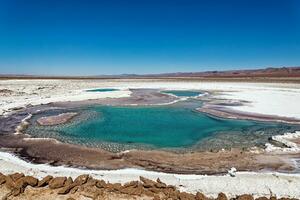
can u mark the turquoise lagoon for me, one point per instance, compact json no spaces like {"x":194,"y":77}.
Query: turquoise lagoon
{"x":176,"y":126}
{"x":183,"y":93}
{"x":102,"y":90}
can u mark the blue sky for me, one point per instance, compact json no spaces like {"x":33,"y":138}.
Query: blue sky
{"x":89,"y":37}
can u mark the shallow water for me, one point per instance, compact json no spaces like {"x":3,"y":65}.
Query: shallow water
{"x":176,"y":126}
{"x":102,"y":90}
{"x":183,"y":93}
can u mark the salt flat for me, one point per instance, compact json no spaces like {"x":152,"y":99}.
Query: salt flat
{"x":279,"y":99}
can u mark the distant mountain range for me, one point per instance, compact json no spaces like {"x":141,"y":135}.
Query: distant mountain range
{"x":267,"y":72}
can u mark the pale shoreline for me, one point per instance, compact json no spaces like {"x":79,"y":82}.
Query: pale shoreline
{"x":258,"y":96}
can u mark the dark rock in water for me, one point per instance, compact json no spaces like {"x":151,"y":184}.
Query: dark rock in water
{"x":45,"y":181}
{"x":57,"y":182}
{"x":276,"y":143}
{"x":16,"y":108}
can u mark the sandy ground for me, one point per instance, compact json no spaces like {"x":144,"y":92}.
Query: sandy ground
{"x":278,"y":99}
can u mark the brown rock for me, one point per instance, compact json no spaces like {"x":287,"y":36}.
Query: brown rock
{"x":171,"y":187}
{"x":160,"y":184}
{"x":74,"y":189}
{"x":131,"y":184}
{"x":222,"y":196}
{"x":2,"y":179}
{"x":17,"y":191}
{"x":9,"y":182}
{"x":91,"y":192}
{"x":132,"y":190}
{"x":101,"y":184}
{"x":186,"y":196}
{"x":19,"y":187}
{"x":69,"y":184}
{"x":169,"y":192}
{"x":70,"y":198}
{"x":156,"y":197}
{"x":245,"y":197}
{"x":29,"y":180}
{"x":154,"y":190}
{"x":148,"y":193}
{"x":200,"y":196}
{"x":273,"y":198}
{"x":174,"y":194}
{"x":82,"y":179}
{"x":113,"y":186}
{"x":66,"y":189}
{"x":262,"y":198}
{"x":16,"y":176}
{"x":69,"y":181}
{"x":57,"y":182}
{"x":147,"y":183}
{"x":117,"y":186}
{"x":45,"y":181}
{"x":91,"y":182}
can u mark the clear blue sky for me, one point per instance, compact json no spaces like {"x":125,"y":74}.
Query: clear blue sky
{"x":72,"y":37}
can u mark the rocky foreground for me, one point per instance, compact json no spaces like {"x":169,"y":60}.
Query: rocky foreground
{"x":19,"y":186}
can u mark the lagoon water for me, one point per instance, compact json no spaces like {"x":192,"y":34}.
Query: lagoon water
{"x":176,"y":126}
{"x":102,"y":90}
{"x":183,"y":93}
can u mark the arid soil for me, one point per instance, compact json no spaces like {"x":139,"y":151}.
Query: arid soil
{"x":46,"y":151}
